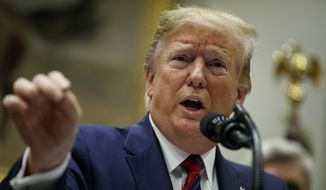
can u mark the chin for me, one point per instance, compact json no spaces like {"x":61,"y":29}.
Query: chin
{"x":189,"y":128}
{"x":189,"y":123}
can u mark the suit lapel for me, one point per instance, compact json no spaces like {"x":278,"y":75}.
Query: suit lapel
{"x":145,"y":158}
{"x":226,"y":175}
{"x":147,"y":163}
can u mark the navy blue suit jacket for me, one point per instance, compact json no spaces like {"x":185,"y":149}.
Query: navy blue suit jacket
{"x":130,"y":158}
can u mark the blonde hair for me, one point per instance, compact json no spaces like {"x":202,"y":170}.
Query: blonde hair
{"x":171,"y":19}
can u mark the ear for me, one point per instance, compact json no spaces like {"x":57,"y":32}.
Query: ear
{"x":150,"y":75}
{"x":241,"y":96}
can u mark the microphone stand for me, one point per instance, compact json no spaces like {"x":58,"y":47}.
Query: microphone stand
{"x":242,"y":116}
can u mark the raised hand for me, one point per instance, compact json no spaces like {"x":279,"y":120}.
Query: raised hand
{"x":46,"y":114}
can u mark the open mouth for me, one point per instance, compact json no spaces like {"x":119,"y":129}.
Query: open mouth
{"x":193,"y":104}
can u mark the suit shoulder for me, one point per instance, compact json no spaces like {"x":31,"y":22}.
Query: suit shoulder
{"x":97,"y":132}
{"x":94,"y":138}
{"x":271,"y":182}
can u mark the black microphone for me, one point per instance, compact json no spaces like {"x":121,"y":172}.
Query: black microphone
{"x":230,"y":133}
{"x":234,"y":133}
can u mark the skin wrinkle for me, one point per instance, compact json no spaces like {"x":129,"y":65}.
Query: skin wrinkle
{"x":168,"y":86}
{"x":227,"y":42}
{"x":185,"y":46}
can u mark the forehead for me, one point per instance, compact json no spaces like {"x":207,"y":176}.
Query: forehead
{"x":195,"y":35}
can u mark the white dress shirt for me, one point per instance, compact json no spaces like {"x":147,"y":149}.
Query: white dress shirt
{"x":39,"y":181}
{"x":174,"y":157}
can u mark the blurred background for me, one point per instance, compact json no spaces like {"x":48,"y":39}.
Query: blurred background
{"x":100,"y":46}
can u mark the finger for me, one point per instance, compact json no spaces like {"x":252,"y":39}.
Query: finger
{"x":70,"y":107}
{"x":14,"y":104}
{"x":25,"y":89}
{"x":48,"y":88}
{"x":59,"y":79}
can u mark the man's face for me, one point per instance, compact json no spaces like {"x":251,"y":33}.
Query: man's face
{"x":290,"y":170}
{"x":196,"y":72}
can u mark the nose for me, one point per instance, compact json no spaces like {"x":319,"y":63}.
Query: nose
{"x":196,"y":76}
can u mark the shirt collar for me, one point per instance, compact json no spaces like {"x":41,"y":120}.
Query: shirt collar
{"x":174,"y":156}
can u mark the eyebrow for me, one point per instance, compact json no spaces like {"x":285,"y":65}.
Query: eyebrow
{"x":186,"y":45}
{"x":221,"y":52}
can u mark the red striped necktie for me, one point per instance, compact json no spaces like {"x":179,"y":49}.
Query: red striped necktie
{"x":193,"y":165}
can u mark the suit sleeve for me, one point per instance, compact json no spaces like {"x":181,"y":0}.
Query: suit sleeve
{"x":78,"y":174}
{"x":74,"y":174}
{"x":17,"y":181}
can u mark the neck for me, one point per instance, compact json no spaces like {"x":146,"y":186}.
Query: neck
{"x":193,"y":145}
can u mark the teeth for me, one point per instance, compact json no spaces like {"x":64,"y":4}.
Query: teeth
{"x":194,"y":100}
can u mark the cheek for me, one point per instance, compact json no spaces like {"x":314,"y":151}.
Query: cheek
{"x":170,"y":80}
{"x":223,"y":96}
{"x":166,"y":85}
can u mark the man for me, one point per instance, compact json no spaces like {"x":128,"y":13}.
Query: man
{"x":288,"y":160}
{"x":198,"y":63}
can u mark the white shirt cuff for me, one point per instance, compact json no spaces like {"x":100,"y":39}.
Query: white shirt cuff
{"x":37,"y":181}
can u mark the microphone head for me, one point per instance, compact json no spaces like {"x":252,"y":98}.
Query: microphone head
{"x":209,"y":126}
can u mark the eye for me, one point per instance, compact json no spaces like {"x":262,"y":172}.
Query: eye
{"x":180,"y":61}
{"x":216,"y":63}
{"x":217,"y":67}
{"x":182,"y":58}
